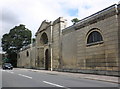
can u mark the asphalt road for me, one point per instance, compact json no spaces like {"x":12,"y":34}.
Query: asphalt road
{"x":25,"y":78}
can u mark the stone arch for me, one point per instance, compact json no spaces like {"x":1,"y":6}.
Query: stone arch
{"x":94,"y":36}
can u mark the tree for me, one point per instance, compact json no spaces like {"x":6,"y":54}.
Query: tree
{"x":75,"y":20}
{"x":5,"y":60}
{"x":12,"y":42}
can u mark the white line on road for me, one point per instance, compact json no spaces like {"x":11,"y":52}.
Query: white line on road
{"x":25,"y":76}
{"x":53,"y":84}
{"x":10,"y":72}
{"x":3,"y":70}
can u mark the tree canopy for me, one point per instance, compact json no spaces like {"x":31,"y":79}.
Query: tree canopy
{"x":18,"y":37}
{"x":13,"y":41}
{"x":75,"y":20}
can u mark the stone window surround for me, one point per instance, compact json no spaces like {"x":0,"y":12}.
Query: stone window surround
{"x":94,"y":43}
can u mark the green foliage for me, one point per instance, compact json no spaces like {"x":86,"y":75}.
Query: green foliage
{"x":5,"y":60}
{"x":12,"y":42}
{"x":18,"y":37}
{"x":75,"y":20}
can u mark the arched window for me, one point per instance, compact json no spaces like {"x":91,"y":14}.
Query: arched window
{"x":94,"y":37}
{"x":44,"y":39}
{"x":27,"y":53}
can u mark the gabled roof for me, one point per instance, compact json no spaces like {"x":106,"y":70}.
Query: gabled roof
{"x":43,"y":26}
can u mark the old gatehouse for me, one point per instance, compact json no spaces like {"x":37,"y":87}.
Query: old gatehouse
{"x":90,"y":46}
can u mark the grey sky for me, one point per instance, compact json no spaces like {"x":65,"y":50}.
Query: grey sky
{"x":9,"y":16}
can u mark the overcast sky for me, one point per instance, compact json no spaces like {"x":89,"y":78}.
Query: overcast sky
{"x":32,"y":12}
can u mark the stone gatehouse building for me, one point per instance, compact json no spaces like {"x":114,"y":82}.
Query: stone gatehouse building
{"x":90,"y":46}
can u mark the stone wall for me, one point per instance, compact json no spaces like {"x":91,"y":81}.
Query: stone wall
{"x":91,"y":58}
{"x":119,"y":37}
{"x":69,"y":50}
{"x":26,"y":58}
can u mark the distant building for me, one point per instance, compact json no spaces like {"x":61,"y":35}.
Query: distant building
{"x":1,"y":57}
{"x":90,"y":46}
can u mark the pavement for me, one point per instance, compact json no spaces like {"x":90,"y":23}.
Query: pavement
{"x":104,"y":78}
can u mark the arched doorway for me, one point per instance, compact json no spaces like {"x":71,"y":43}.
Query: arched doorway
{"x":47,"y":60}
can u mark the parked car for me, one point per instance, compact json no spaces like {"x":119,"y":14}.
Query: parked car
{"x":7,"y":66}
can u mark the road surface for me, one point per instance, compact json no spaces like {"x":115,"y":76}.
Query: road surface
{"x":17,"y":78}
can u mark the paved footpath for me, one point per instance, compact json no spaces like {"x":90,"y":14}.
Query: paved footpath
{"x":84,"y":76}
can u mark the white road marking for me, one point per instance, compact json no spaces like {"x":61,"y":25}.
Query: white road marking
{"x":11,"y":72}
{"x":53,"y":84}
{"x":25,"y":76}
{"x":3,"y":70}
{"x":8,"y":71}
